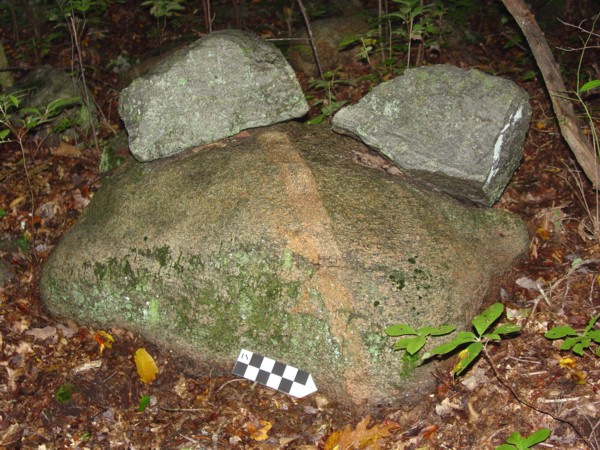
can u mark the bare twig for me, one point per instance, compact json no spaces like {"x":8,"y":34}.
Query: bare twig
{"x":527,"y":403}
{"x":207,"y":16}
{"x":580,"y":28}
{"x":563,"y":108}
{"x":311,"y":37}
{"x":76,"y":49}
{"x":229,"y":382}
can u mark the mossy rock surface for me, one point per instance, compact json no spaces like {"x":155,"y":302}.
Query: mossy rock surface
{"x":280,"y":243}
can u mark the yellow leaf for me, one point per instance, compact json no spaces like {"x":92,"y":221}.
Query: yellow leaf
{"x":261,"y":433}
{"x":103,"y":339}
{"x":361,"y":438}
{"x":578,"y":377}
{"x":567,"y":362}
{"x":543,"y":234}
{"x":146,"y":367}
{"x":461,"y":356}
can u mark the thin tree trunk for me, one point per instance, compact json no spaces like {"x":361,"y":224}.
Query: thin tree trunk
{"x":563,"y":108}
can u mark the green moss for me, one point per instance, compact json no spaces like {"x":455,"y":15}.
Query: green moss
{"x":224,"y":303}
{"x":409,"y":364}
{"x":376,"y":343}
{"x":109,"y":160}
{"x":398,"y":280}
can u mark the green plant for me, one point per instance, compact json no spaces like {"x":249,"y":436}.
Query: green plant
{"x":574,"y":341}
{"x":144,"y":402}
{"x":475,"y":342}
{"x":65,"y":392}
{"x":591,"y":224}
{"x":73,"y":14}
{"x":69,"y":9}
{"x":413,"y":21}
{"x":19,"y":121}
{"x":419,"y":22}
{"x":40,"y":46}
{"x":15,"y":124}
{"x":415,"y":343}
{"x":517,"y":442}
{"x":329,"y":104}
{"x":162,"y":10}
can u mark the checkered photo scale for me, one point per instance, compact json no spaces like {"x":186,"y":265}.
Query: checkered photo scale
{"x":274,"y":374}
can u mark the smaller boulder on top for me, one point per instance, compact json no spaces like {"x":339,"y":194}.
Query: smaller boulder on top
{"x":218,"y":86}
{"x":458,"y":131}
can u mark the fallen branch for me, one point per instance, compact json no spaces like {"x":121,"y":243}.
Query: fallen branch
{"x":563,"y":108}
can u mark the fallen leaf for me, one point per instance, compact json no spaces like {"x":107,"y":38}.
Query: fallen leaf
{"x":527,"y":283}
{"x":88,"y":365}
{"x":17,"y":202}
{"x":67,"y":331}
{"x":361,"y":438}
{"x":104,"y":340}
{"x":261,"y":433}
{"x":42,"y":333}
{"x":48,"y":210}
{"x":65,"y":149}
{"x":11,"y":435}
{"x":578,"y":377}
{"x":446,"y":407}
{"x":146,"y":367}
{"x":428,"y":431}
{"x":567,"y":362}
{"x":543,"y":234}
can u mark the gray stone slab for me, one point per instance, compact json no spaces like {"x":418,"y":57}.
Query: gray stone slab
{"x":218,"y":86}
{"x":458,"y":131}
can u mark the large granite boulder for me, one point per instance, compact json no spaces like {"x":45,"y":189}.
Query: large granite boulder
{"x":188,"y":99}
{"x":458,"y":131}
{"x":281,"y":244}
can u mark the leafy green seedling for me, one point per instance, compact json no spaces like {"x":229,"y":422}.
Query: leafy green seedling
{"x":23,"y":242}
{"x":164,"y":8}
{"x":517,"y":442}
{"x":144,"y":402}
{"x":576,"y":342}
{"x":65,"y":393}
{"x":589,"y":86}
{"x":476,"y":341}
{"x":418,"y":337}
{"x":329,"y":103}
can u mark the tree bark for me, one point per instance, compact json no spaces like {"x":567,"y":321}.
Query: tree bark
{"x":563,"y":108}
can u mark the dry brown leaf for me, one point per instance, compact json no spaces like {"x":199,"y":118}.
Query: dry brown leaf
{"x":65,"y":149}
{"x":361,"y":438}
{"x":42,"y":334}
{"x":17,"y":202}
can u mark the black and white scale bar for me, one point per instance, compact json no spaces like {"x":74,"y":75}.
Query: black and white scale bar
{"x":273,"y":374}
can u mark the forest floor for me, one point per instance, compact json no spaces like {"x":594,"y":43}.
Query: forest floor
{"x":58,"y":389}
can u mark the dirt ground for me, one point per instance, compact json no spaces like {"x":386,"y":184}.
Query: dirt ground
{"x":61,"y":386}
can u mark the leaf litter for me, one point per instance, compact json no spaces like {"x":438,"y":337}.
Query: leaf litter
{"x":63,"y":386}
